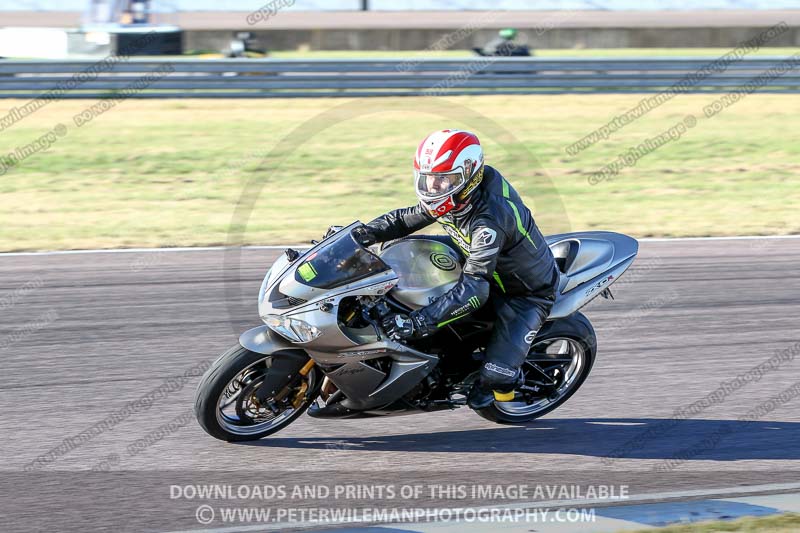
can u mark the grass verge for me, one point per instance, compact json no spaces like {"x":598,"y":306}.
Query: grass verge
{"x":172,"y":172}
{"x":785,"y":523}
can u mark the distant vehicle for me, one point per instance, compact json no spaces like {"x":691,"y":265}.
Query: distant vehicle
{"x":243,"y":45}
{"x":504,"y":46}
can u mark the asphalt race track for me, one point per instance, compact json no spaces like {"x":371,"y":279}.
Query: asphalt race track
{"x":83,"y":335}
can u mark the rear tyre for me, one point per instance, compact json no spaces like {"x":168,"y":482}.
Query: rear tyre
{"x":225,"y":403}
{"x":560,"y":359}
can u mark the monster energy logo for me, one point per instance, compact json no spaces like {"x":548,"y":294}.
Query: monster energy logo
{"x":474,"y":302}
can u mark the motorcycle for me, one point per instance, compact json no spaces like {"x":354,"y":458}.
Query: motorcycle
{"x":322,"y":348}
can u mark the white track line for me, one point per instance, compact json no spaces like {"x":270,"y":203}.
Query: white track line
{"x":729,"y":238}
{"x":154,"y":250}
{"x":651,"y":497}
{"x":308,"y":245}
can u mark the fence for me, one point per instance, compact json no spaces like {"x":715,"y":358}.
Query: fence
{"x":257,"y":78}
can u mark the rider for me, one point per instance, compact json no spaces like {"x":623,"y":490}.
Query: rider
{"x":505,"y":254}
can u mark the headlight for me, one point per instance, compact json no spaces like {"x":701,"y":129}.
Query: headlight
{"x":291,"y":328}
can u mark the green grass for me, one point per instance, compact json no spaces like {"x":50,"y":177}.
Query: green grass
{"x":171,"y":173}
{"x":786,"y":523}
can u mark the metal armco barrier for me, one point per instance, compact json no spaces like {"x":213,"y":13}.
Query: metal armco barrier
{"x":258,"y":78}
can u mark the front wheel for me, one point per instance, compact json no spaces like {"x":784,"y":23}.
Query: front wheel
{"x":226,"y":405}
{"x":558,"y":363}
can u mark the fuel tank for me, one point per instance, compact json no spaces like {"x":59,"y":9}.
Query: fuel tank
{"x":426,"y":269}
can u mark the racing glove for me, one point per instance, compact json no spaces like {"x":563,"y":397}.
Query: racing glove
{"x":364,"y":236}
{"x":402,"y":327}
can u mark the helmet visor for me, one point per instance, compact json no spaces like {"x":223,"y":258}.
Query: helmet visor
{"x":438,"y":184}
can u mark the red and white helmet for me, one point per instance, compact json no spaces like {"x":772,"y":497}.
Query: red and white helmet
{"x":448,"y":167}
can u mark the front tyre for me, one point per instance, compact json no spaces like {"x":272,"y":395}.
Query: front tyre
{"x":558,"y":363}
{"x":226,"y":405}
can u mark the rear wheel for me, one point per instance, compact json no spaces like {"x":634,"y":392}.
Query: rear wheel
{"x":558,"y":363}
{"x":226,"y":405}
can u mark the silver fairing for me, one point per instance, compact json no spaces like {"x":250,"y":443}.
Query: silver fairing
{"x":320,"y":307}
{"x":364,"y":385}
{"x":590,"y":262}
{"x":419,"y":270}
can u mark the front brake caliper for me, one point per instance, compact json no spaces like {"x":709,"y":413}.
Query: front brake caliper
{"x":300,"y":396}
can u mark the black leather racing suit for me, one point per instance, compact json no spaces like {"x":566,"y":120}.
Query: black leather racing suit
{"x":506,"y":255}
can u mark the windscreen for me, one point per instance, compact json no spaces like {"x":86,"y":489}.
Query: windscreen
{"x":337,"y":263}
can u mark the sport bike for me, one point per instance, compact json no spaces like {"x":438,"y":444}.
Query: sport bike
{"x":322,"y":348}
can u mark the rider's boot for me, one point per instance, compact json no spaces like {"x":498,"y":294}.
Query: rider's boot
{"x":481,"y":396}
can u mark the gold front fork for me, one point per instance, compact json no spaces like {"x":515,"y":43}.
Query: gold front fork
{"x":307,"y":367}
{"x":298,"y":398}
